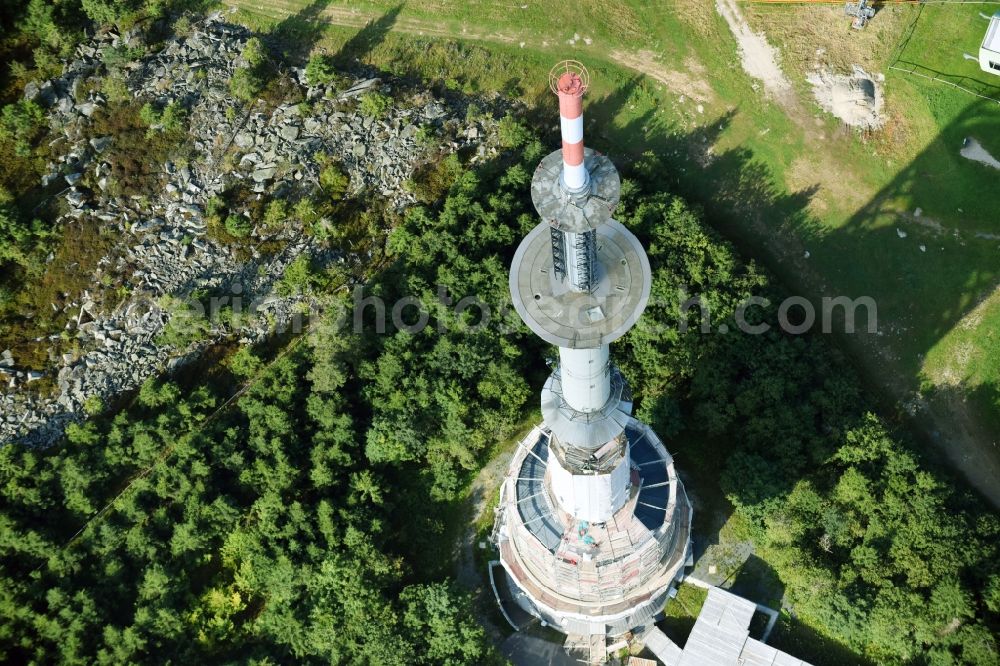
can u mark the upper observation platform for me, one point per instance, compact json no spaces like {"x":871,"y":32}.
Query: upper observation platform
{"x":576,"y":211}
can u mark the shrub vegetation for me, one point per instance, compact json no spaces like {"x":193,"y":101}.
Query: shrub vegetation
{"x":375,"y":104}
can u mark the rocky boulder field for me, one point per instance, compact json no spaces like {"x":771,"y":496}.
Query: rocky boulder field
{"x":164,"y":249}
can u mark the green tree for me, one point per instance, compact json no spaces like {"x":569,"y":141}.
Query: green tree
{"x":245,"y":84}
{"x":254,"y":53}
{"x":512,"y":132}
{"x":366,"y":487}
{"x":111,"y":11}
{"x":249,"y":80}
{"x":276,"y":214}
{"x":375,"y":104}
{"x":186,"y":322}
{"x":171,"y":120}
{"x":18,"y":241}
{"x":299,"y":277}
{"x":439,"y":622}
{"x":332,"y":179}
{"x":21,"y":123}
{"x":238,"y":225}
{"x":244,"y":363}
{"x":320,"y":71}
{"x":115,"y":88}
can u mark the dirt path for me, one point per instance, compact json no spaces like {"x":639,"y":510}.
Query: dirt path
{"x":973,"y":150}
{"x":676,"y":81}
{"x":759,"y":59}
{"x":480,"y":500}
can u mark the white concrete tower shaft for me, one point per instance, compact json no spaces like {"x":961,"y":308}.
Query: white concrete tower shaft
{"x":586,"y":377}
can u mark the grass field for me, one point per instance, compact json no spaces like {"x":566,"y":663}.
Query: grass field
{"x":780,"y":181}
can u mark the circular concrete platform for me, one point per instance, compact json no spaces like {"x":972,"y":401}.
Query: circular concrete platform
{"x":576,"y":212}
{"x":581,"y":320}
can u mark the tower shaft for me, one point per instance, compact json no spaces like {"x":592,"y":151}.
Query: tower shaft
{"x":586,"y":377}
{"x":594,"y":522}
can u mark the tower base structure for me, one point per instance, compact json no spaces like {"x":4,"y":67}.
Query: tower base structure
{"x":586,"y":578}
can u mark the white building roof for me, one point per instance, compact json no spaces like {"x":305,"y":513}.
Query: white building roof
{"x":720,"y":637}
{"x":662,"y":647}
{"x":992,"y":40}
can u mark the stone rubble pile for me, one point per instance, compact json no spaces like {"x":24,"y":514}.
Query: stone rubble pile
{"x":164,"y":247}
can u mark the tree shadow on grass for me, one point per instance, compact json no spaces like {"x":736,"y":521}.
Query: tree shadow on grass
{"x":369,"y":37}
{"x":757,"y":581}
{"x":805,"y":643}
{"x":727,"y":184}
{"x":941,"y":184}
{"x":924,"y":247}
{"x":296,"y":35}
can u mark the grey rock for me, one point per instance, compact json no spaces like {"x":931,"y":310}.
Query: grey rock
{"x":47,"y":94}
{"x":31,"y":91}
{"x":76,"y":198}
{"x":175,"y":256}
{"x":359,"y":88}
{"x":434,"y":110}
{"x":263,"y":174}
{"x":146,"y":227}
{"x":100,"y":143}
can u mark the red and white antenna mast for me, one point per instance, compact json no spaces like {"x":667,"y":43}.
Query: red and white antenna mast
{"x":569,"y":80}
